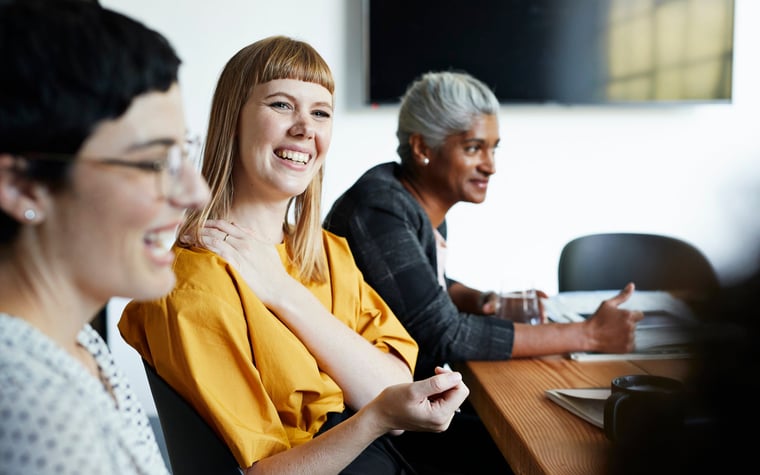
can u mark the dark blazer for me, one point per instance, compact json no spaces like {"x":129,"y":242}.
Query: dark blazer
{"x":393,"y":244}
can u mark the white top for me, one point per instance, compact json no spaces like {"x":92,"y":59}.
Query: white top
{"x":440,"y":245}
{"x":56,"y":417}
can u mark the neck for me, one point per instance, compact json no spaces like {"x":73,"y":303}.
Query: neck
{"x":265,"y":221}
{"x":46,"y":302}
{"x":434,"y":208}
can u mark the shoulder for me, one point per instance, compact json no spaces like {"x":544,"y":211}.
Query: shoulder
{"x":201,"y":276}
{"x":334,"y":244}
{"x":375,"y":184}
{"x":200,"y":269}
{"x":337,"y":251}
{"x":191,"y":259}
{"x":38,"y":375}
{"x":378,"y":189}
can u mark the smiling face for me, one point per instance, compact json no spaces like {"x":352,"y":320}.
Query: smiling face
{"x":112,"y":223}
{"x":284,"y":133}
{"x":460,"y":169}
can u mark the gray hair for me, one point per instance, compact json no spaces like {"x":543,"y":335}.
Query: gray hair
{"x":439,"y":104}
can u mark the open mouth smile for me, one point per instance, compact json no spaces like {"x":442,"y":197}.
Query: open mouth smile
{"x":293,"y":156}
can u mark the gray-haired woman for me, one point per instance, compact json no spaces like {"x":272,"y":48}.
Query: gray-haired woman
{"x":394,"y":218}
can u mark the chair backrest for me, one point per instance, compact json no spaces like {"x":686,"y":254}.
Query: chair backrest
{"x":193,"y":447}
{"x":653,"y":262}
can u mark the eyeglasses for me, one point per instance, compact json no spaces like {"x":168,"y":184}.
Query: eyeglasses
{"x":170,"y":170}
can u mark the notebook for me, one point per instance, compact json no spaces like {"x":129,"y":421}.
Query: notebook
{"x":587,"y":403}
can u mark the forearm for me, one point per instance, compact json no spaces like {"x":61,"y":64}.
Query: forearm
{"x":329,"y":453}
{"x":359,"y":368}
{"x":609,"y":330}
{"x":466,"y":299}
{"x":550,"y":338}
{"x":427,"y":405}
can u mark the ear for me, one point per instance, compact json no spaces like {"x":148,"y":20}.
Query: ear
{"x":420,"y":150}
{"x":19,"y":197}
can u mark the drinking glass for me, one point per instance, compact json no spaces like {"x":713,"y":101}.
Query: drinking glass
{"x":519,"y":306}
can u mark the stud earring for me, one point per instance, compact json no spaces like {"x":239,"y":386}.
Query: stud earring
{"x":30,"y":214}
{"x":425,"y":161}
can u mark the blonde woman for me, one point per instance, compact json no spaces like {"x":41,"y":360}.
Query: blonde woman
{"x":271,"y":332}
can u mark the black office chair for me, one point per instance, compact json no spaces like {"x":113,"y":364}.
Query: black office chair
{"x":653,"y":262}
{"x":193,"y":447}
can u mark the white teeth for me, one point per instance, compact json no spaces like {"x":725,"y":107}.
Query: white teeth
{"x":293,"y":156}
{"x":167,"y":240}
{"x":160,"y":243}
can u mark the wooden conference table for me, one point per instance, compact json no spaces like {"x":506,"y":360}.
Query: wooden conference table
{"x":534,"y":434}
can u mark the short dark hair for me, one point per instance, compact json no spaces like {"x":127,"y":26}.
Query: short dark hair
{"x":67,"y":66}
{"x":70,"y":64}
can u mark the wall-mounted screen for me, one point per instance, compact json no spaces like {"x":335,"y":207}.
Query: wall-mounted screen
{"x":557,"y":51}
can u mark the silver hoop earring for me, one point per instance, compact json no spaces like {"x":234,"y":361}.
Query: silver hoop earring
{"x":425,"y":161}
{"x":30,"y":214}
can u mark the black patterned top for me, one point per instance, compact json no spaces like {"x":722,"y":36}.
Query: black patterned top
{"x":394,"y":245}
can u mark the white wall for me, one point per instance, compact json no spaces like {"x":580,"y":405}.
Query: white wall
{"x":689,"y":171}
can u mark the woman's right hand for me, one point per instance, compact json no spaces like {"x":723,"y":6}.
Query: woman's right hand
{"x":425,"y":406}
{"x":257,"y":261}
{"x":360,"y":369}
{"x":612,"y":329}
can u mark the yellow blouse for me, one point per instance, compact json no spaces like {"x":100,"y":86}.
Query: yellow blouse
{"x":244,"y":371}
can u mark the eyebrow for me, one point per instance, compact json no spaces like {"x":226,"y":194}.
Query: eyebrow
{"x":479,"y":141}
{"x":292,"y":98}
{"x":165,"y":141}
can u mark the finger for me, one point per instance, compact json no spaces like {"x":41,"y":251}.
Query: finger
{"x":637,"y":316}
{"x":215,"y":240}
{"x":441,"y":370}
{"x":218,"y":224}
{"x":624,"y":295}
{"x":435,"y":385}
{"x":211,"y":233}
{"x":451,"y":393}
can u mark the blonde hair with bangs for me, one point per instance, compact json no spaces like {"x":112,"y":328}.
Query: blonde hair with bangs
{"x":275,"y":57}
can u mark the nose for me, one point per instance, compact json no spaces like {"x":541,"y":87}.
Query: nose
{"x":192,"y":191}
{"x":302,"y":125}
{"x":488,"y":164}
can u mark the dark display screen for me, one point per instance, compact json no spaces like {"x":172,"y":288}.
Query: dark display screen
{"x":558,"y":51}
